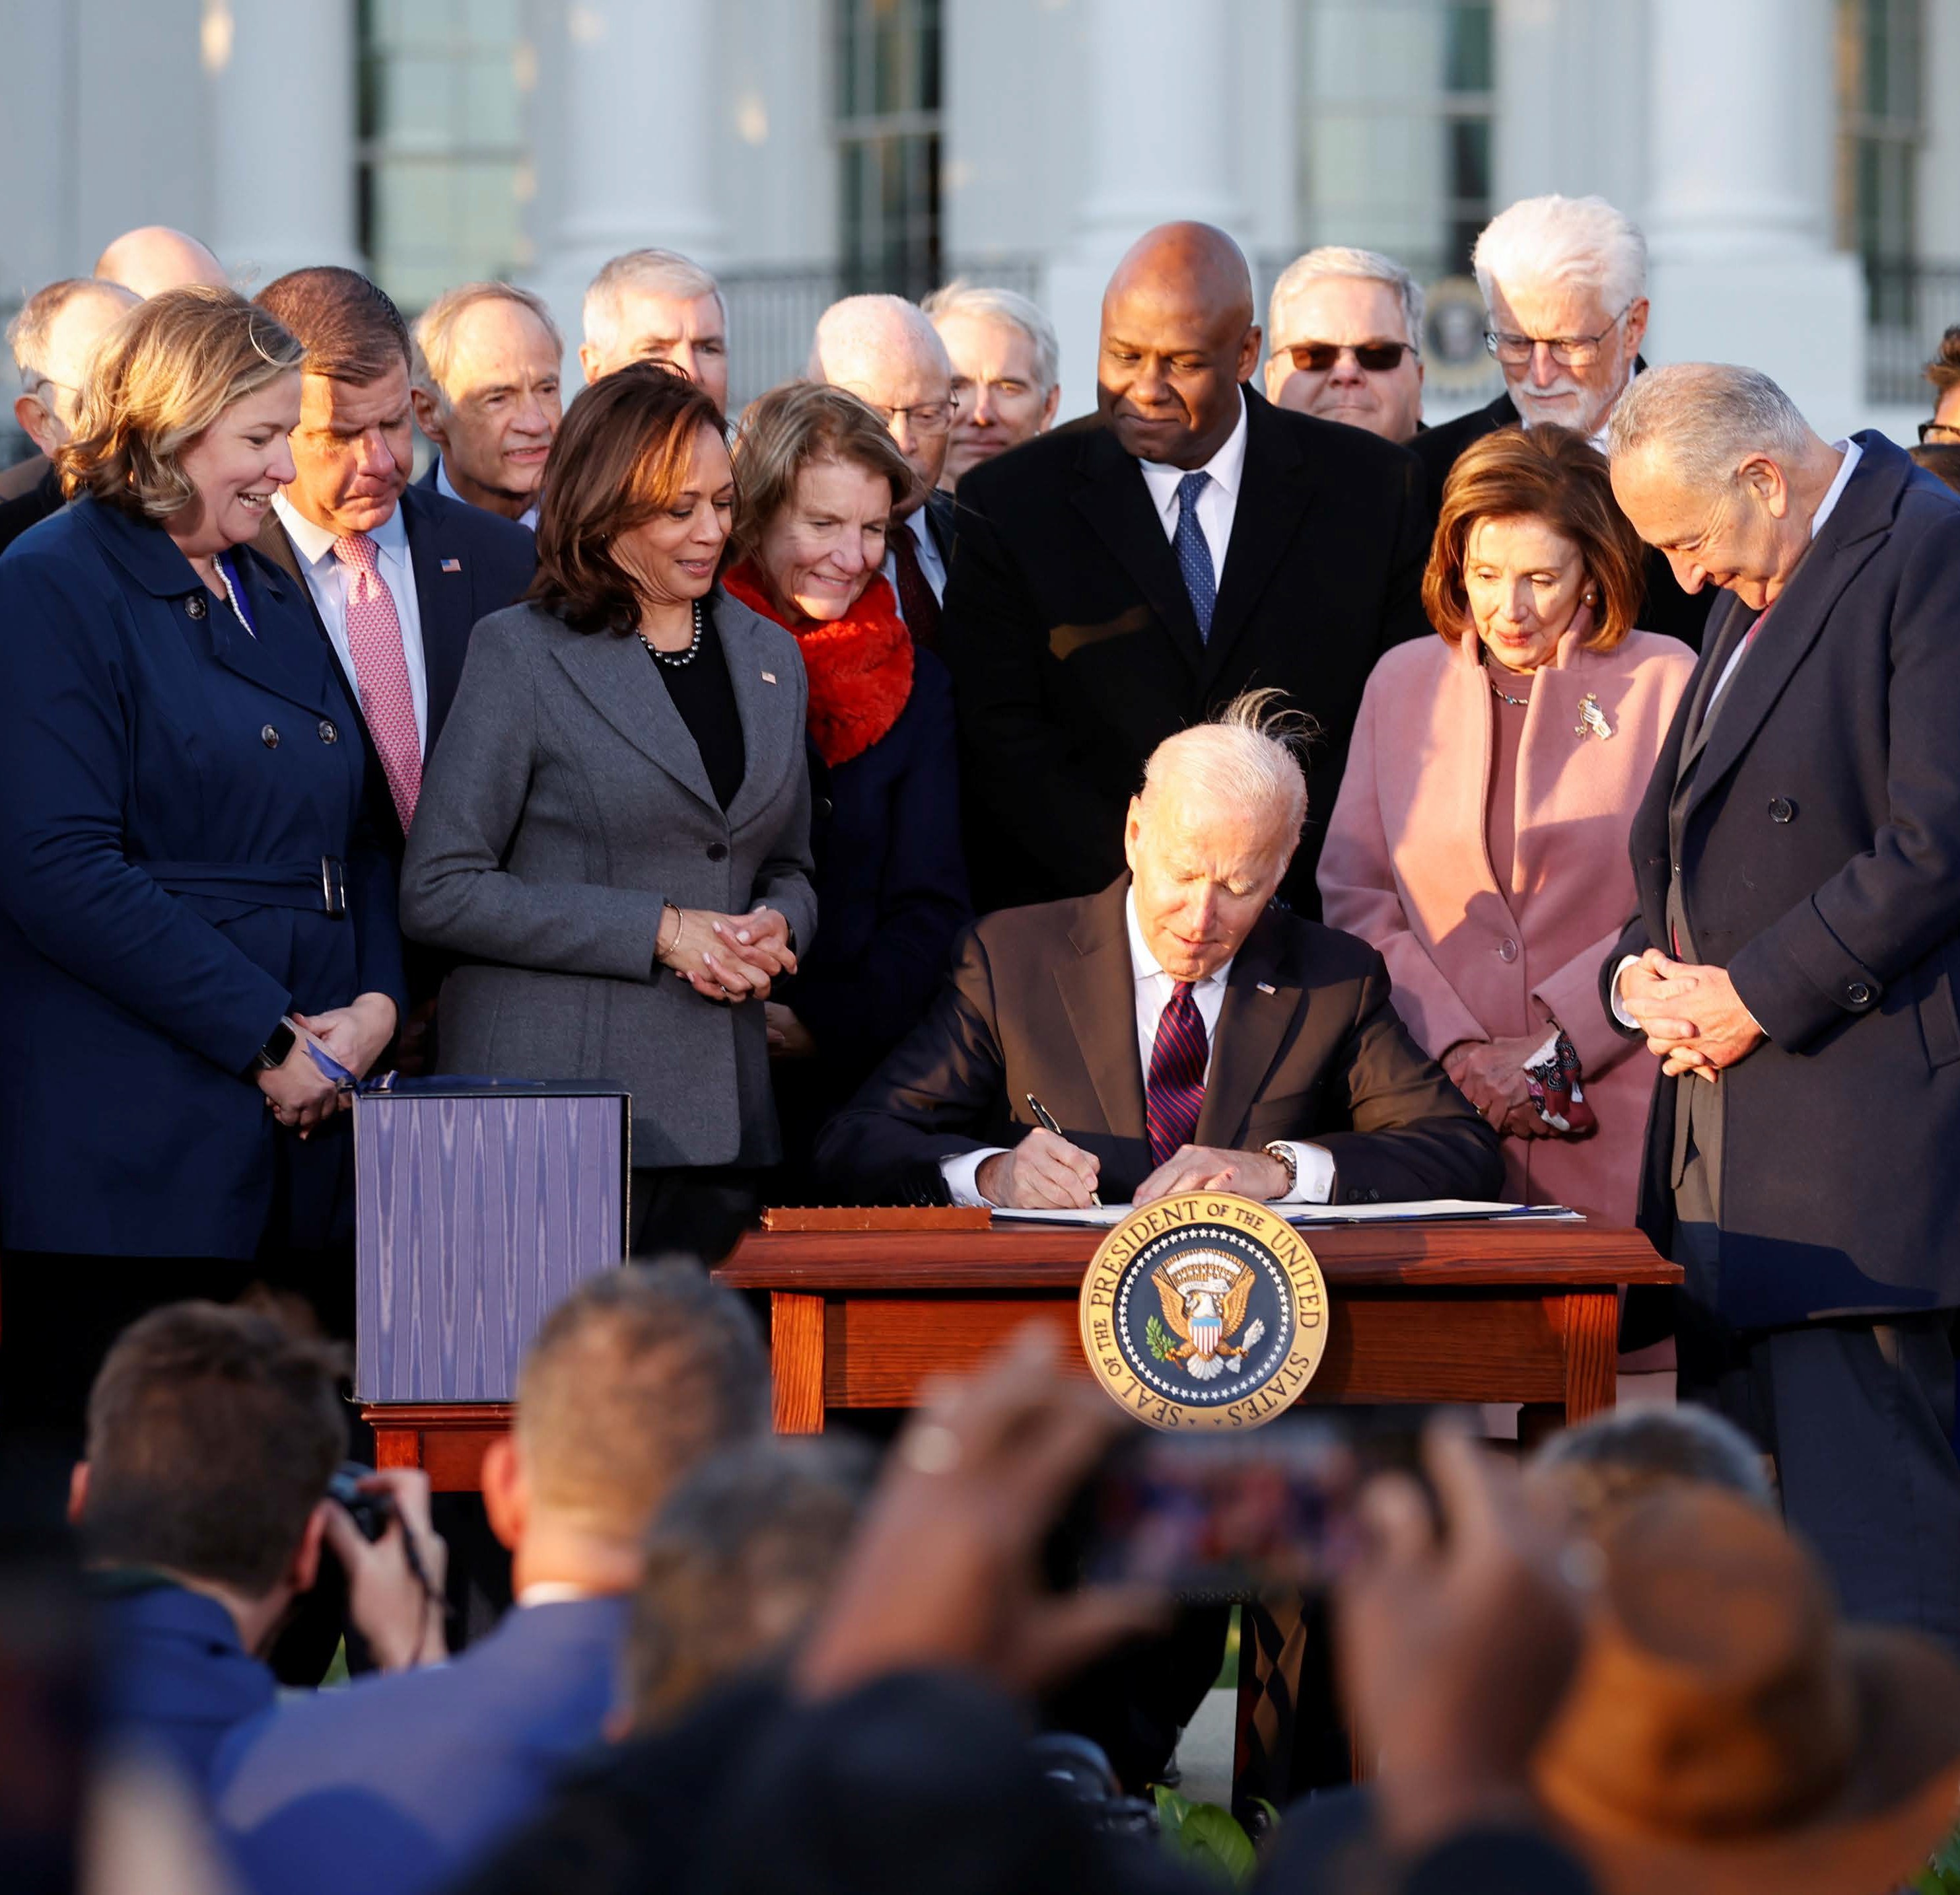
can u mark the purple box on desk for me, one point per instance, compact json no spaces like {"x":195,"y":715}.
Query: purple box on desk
{"x":480,"y":1207}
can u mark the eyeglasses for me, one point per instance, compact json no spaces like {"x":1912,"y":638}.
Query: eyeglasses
{"x":929,"y":418}
{"x":1939,"y":431}
{"x":1569,"y":351}
{"x":1378,"y":358}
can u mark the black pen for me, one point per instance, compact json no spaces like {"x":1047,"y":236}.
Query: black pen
{"x":1045,"y":1119}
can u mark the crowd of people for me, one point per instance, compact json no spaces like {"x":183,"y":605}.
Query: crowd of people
{"x":904,"y":798}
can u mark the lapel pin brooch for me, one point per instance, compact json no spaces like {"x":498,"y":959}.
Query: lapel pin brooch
{"x":768,"y":678}
{"x":1592,"y":719}
{"x":1267,"y":987}
{"x":452,"y":566}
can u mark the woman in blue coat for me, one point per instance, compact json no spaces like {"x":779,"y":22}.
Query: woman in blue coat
{"x":185,"y":869}
{"x":820,"y":481}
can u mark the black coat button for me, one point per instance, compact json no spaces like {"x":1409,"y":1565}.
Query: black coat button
{"x":1781,"y":809}
{"x":1858,"y":993}
{"x":328,"y":734}
{"x":717,"y":851}
{"x":269,"y":737}
{"x":194,"y":605}
{"x":825,"y":808}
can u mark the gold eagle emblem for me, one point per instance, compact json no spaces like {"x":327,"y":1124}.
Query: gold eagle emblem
{"x":1204,"y":1293}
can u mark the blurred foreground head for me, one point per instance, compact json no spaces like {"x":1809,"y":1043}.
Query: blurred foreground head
{"x":1625,"y":1455}
{"x":1724,"y":1730}
{"x":153,"y":258}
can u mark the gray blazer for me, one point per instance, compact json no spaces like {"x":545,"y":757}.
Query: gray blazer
{"x":564,"y":801}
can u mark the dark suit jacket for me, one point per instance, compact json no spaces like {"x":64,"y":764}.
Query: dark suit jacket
{"x":494,"y":560}
{"x":393,"y":1784}
{"x":939,"y":522}
{"x":1075,"y":652}
{"x":172,"y":1672}
{"x":1817,"y":841}
{"x":1668,"y":610}
{"x":22,"y":511}
{"x":1042,"y":1000}
{"x":171,"y":784}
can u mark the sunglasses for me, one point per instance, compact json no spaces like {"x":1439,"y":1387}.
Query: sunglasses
{"x":1939,"y":434}
{"x":1316,"y":359}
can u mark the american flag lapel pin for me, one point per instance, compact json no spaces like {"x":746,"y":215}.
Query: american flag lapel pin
{"x":1267,"y":987}
{"x":452,"y":566}
{"x":768,"y":678}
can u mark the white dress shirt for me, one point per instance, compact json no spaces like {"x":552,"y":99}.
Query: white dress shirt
{"x":326,"y":580}
{"x":528,"y":517}
{"x":1852,"y":454}
{"x":931,"y":564}
{"x":1216,"y":505}
{"x":1313,"y":1174}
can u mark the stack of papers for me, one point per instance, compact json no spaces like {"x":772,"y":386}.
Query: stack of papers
{"x":1430,"y":1210}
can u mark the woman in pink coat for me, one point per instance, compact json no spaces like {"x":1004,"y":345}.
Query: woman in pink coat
{"x":1480,"y":840}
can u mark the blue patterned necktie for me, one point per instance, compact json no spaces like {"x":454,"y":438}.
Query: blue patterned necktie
{"x":1194,"y":556}
{"x":1174,"y":1092}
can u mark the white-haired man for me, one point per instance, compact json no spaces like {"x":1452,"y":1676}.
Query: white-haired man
{"x":1564,"y":279}
{"x":656,"y":306}
{"x":1344,"y":335}
{"x":1185,"y":1033}
{"x":886,"y":351}
{"x":486,"y":393}
{"x":1795,"y":961}
{"x":52,"y":338}
{"x":1006,"y":372}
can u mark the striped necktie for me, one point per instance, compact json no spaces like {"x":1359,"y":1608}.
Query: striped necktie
{"x":1176,"y":1088}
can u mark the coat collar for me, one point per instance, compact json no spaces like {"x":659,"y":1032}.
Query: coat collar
{"x":141,"y":548}
{"x":1864,"y":514}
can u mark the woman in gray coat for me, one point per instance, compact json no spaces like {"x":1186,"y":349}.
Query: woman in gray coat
{"x":614,"y":830}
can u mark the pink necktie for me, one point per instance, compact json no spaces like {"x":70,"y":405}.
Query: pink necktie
{"x":374,"y":641}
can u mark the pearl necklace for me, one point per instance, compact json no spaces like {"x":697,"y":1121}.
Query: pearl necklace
{"x":674,"y":661}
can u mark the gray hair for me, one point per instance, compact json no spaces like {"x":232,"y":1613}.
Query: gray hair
{"x":435,"y":330}
{"x":1625,"y":1453}
{"x":1248,"y":756}
{"x":960,"y":297}
{"x":1708,"y":417}
{"x":866,"y":323}
{"x":660,"y":272}
{"x":1342,"y":260}
{"x":30,"y":332}
{"x":1564,"y":239}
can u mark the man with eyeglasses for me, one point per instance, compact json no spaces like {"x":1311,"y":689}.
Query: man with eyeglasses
{"x":1564,"y":279}
{"x":1344,"y":330}
{"x":52,"y":338}
{"x":885,"y":350}
{"x":1943,"y":371}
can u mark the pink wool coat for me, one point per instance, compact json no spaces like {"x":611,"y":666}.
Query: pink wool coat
{"x":1406,"y":867}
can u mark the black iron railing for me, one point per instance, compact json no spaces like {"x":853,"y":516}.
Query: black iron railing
{"x":1907,"y":307}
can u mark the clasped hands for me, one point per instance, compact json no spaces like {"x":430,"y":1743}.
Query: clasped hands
{"x":300,"y":1095}
{"x":1046,"y":1173}
{"x":725,"y":958}
{"x":1491,"y":1075}
{"x":1693,"y":1017}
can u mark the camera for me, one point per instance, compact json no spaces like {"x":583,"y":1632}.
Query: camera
{"x":372,"y":1512}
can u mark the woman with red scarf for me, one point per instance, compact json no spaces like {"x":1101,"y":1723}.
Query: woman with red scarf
{"x":821,"y":479}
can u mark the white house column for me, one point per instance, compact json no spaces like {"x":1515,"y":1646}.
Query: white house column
{"x":636,"y":139}
{"x":1161,"y":80}
{"x":283,"y":134}
{"x":1744,"y":112}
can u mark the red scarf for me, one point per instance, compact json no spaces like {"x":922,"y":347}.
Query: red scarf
{"x":860,"y":666}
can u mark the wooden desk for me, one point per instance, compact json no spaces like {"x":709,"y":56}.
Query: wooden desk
{"x":1523,"y":1312}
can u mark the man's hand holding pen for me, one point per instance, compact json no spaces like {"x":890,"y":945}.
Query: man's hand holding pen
{"x":1043,"y":1172}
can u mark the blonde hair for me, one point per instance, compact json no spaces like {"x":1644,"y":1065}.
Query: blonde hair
{"x":161,"y":377}
{"x":795,"y":425}
{"x":435,"y":331}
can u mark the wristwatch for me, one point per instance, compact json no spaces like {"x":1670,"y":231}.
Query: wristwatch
{"x":276,"y":1050}
{"x":1289,"y":1160}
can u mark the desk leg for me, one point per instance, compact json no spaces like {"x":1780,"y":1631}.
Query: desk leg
{"x":397,"y":1447}
{"x":796,"y":1362}
{"x":1592,"y":1352}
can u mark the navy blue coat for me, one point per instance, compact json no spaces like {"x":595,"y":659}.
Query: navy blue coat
{"x":891,"y":885}
{"x":172,"y":1673}
{"x":172,"y":787}
{"x":1818,"y":844}
{"x":392,"y":1785}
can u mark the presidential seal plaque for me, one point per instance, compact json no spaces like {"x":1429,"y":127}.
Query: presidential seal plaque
{"x":1203,"y":1311}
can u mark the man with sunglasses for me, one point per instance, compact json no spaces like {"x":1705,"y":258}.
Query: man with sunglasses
{"x":1343,"y":330}
{"x":1564,"y":279}
{"x":1943,"y":371}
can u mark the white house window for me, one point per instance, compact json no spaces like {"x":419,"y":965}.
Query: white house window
{"x":889,"y":131}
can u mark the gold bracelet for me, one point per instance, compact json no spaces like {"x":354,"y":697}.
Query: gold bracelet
{"x":680,"y":922}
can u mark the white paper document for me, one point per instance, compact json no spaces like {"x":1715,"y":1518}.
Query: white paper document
{"x":1430,"y":1210}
